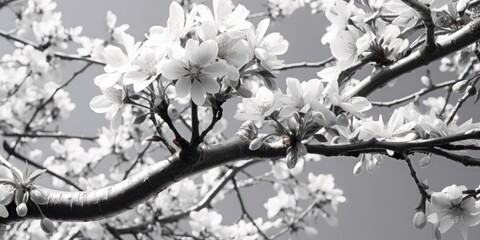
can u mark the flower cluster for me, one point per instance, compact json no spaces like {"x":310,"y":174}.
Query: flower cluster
{"x":201,"y":53}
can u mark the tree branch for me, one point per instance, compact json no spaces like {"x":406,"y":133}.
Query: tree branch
{"x":206,"y":200}
{"x":414,"y":95}
{"x":305,"y":64}
{"x":64,"y":56}
{"x":456,"y":41}
{"x":111,"y":200}
{"x":244,"y":210}
{"x":426,"y":16}
{"x":470,"y":91}
{"x":49,"y":135}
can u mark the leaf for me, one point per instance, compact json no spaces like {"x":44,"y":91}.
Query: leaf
{"x":154,"y":138}
{"x":35,"y":174}
{"x":39,"y":197}
{"x":140,"y":119}
{"x":320,"y":138}
{"x":134,"y":97}
{"x":16,"y":174}
{"x":269,"y":79}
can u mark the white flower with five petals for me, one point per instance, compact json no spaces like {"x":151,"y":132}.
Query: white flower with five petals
{"x":452,"y":208}
{"x":197,"y":71}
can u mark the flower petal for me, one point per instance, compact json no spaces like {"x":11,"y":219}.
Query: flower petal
{"x":440,"y":201}
{"x":183,"y":86}
{"x":100,"y":104}
{"x":107,"y":80}
{"x":198,"y":93}
{"x":114,"y":56}
{"x":174,"y":69}
{"x":207,"y":52}
{"x":210,"y":85}
{"x":446,"y":223}
{"x":214,"y":70}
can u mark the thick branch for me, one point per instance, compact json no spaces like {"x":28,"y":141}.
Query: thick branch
{"x":109,"y":201}
{"x":458,"y":40}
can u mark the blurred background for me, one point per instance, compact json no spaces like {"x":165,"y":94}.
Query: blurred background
{"x":379,"y":205}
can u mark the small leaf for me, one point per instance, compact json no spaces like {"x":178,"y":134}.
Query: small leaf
{"x":35,"y":174}
{"x":16,"y":174}
{"x":256,"y":144}
{"x":270,"y":83}
{"x":320,"y":138}
{"x":39,"y":197}
{"x":266,"y":74}
{"x":134,"y":97}
{"x":140,"y":119}
{"x":154,"y":138}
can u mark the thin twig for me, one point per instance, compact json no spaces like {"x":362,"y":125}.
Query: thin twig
{"x":49,"y":135}
{"x":305,"y":64}
{"x":244,"y":210}
{"x":413,"y":173}
{"x":470,"y":91}
{"x":61,"y":55}
{"x":42,"y":105}
{"x":206,"y":200}
{"x":414,"y":95}
{"x":259,"y":15}
{"x":139,"y":157}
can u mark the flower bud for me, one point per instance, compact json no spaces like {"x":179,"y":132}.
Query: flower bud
{"x":426,"y":81}
{"x":47,"y":225}
{"x":460,"y":86}
{"x":256,"y":144}
{"x":173,"y":112}
{"x":38,"y":196}
{"x":419,"y":220}
{"x":425,"y":161}
{"x":292,"y":158}
{"x":358,"y":169}
{"x":370,"y":166}
{"x":22,"y":209}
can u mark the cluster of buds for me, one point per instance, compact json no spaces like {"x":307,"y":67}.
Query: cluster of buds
{"x":25,"y":192}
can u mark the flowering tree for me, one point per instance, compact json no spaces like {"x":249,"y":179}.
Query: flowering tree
{"x":166,"y":94}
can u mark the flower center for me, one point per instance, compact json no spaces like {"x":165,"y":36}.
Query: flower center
{"x":194,"y":71}
{"x":457,"y":214}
